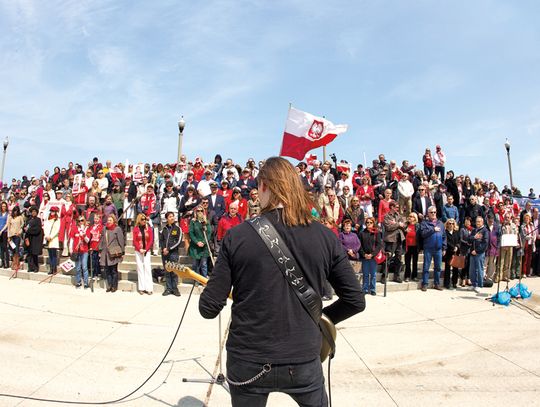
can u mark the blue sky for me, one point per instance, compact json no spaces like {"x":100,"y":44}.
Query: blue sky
{"x":111,"y":78}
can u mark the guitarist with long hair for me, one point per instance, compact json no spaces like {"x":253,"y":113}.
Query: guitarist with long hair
{"x":274,"y":343}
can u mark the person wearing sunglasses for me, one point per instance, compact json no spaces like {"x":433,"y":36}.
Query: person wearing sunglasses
{"x":143,"y":241}
{"x":80,"y":237}
{"x":200,"y":233}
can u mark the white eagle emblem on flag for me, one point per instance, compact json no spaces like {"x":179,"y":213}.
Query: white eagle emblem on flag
{"x":316,"y":130}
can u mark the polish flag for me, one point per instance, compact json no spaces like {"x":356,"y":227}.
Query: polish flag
{"x":304,"y":132}
{"x":310,"y":158}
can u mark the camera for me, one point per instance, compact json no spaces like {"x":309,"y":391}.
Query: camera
{"x":333,"y":157}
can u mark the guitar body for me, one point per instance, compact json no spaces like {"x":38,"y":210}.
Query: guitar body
{"x":326,"y":348}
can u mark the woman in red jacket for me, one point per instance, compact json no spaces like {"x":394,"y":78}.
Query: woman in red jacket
{"x":366,"y":195}
{"x":143,"y":239}
{"x":68,"y":212}
{"x":411,"y":248}
{"x":80,"y":236}
{"x":428,"y":163}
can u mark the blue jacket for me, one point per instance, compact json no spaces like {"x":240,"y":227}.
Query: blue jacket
{"x":432,"y":240}
{"x":479,"y":245}
{"x":450,"y":212}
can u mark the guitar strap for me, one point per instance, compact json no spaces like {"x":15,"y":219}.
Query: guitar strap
{"x":309,"y":299}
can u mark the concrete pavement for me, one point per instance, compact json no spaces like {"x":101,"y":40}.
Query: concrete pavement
{"x":408,"y":349}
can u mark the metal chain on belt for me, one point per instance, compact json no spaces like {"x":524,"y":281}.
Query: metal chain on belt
{"x":266,"y":369}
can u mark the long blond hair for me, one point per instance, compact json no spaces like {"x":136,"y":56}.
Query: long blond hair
{"x":286,"y":189}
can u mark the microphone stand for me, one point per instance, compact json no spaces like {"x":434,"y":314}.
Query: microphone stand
{"x":220,"y":378}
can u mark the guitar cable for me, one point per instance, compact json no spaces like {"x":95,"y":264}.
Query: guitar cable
{"x":121,"y":398}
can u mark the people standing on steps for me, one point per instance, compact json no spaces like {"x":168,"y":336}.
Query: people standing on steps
{"x":143,"y":241}
{"x":112,"y":239}
{"x":170,"y":239}
{"x":15,"y":224}
{"x":80,"y":237}
{"x":51,"y":230}
{"x":33,"y":239}
{"x":4,"y":252}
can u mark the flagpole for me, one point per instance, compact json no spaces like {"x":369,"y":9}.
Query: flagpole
{"x":324,"y":148}
{"x":285,"y":128}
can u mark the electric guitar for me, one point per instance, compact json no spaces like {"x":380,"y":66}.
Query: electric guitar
{"x":186,"y":273}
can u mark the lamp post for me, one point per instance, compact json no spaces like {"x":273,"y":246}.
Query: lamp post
{"x":6,"y":143}
{"x":181,"y":126}
{"x":507,"y":147}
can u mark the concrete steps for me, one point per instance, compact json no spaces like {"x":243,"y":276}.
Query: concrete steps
{"x":184,"y":286}
{"x":128,"y":272}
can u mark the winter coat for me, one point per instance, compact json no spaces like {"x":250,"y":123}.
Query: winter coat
{"x":370,"y":243}
{"x":196,"y":235}
{"x":110,"y":236}
{"x":433,"y":240}
{"x":34,"y":233}
{"x":51,"y":229}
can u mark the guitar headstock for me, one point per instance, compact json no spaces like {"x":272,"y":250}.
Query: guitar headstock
{"x":184,"y":272}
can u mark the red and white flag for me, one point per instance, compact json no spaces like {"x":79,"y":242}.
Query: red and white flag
{"x":304,"y":132}
{"x":310,"y":158}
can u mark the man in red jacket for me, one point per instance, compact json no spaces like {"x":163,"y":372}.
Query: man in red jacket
{"x":228,"y":221}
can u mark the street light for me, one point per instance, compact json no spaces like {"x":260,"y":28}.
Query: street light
{"x":181,"y":126}
{"x":6,"y":143}
{"x":507,"y":147}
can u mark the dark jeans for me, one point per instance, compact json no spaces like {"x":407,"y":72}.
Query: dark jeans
{"x":428,"y":171}
{"x":304,"y":382}
{"x":411,"y":256}
{"x":4,"y":252}
{"x":439,"y":170}
{"x":536,"y":260}
{"x":112,"y":276}
{"x":95,"y":268}
{"x":53,"y":258}
{"x":171,"y":279}
{"x":447,"y":269}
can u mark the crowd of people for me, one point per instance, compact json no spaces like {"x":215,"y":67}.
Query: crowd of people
{"x":384,"y":215}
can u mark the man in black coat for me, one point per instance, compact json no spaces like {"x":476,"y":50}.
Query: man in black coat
{"x":421,"y":203}
{"x":33,"y":239}
{"x":273,"y":343}
{"x":169,"y":243}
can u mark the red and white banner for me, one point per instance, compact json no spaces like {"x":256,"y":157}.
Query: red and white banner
{"x":77,"y":183}
{"x":343,"y":167}
{"x":304,"y":132}
{"x":310,"y":158}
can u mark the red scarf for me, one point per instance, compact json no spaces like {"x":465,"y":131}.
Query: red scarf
{"x":111,"y":227}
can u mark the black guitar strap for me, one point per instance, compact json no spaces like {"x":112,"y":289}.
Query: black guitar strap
{"x":309,"y":299}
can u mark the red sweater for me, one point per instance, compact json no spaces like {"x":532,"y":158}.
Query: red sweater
{"x":410,"y":237}
{"x":226,"y":223}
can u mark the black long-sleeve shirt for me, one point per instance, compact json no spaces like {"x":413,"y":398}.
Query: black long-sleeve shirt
{"x":269,"y":324}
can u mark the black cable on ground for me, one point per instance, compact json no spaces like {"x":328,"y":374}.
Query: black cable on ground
{"x":121,"y":398}
{"x":525,"y":308}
